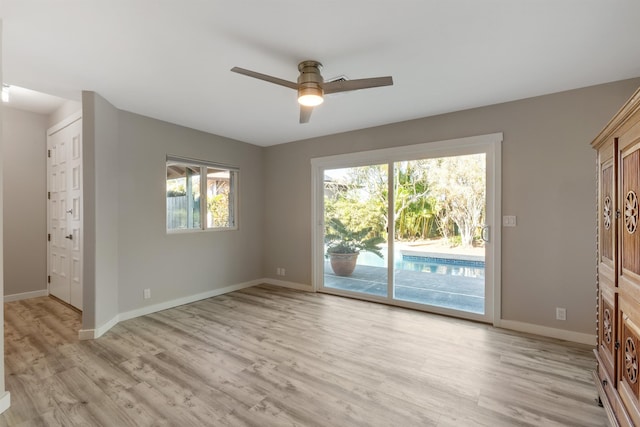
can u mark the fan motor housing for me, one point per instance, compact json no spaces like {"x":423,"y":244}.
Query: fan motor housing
{"x":310,"y":80}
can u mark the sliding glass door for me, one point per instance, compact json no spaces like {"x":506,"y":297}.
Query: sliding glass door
{"x":439,"y":220}
{"x":355,"y":217}
{"x":411,"y":226}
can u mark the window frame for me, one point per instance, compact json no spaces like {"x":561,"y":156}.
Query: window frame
{"x":203,"y":165}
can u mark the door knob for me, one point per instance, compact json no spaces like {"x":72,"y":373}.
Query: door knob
{"x":70,"y":211}
{"x":70,"y":237}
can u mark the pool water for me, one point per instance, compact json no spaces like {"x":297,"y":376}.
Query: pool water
{"x":447,"y":267}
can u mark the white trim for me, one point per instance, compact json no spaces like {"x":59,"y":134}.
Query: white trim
{"x":206,"y":163}
{"x":5,"y":401}
{"x":561,"y":334}
{"x":74,"y":117}
{"x":87,"y":334}
{"x":467,"y":145}
{"x":234,"y":189}
{"x":289,"y":285}
{"x":91,"y":334}
{"x":513,"y":325}
{"x":26,"y":295}
{"x":186,"y":300}
{"x":495,"y":250}
{"x":317,"y":224}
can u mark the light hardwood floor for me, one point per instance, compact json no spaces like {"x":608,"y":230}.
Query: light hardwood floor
{"x":267,"y":356}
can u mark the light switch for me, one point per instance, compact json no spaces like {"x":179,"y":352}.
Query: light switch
{"x":509,"y":221}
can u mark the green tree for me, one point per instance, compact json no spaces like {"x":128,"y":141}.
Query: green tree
{"x":458,"y":186}
{"x":413,"y":207}
{"x":359,"y":198}
{"x":442,"y":196}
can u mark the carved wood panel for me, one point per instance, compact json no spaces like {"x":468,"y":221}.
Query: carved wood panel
{"x":629,"y":210}
{"x":629,"y":356}
{"x":607,"y":212}
{"x":607,"y":328}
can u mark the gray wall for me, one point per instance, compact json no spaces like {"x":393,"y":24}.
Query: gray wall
{"x":65,"y":110}
{"x":100,"y":207}
{"x":25,"y":203}
{"x":548,"y":170}
{"x":25,"y":207}
{"x":179,"y":265}
{"x":127,"y":248}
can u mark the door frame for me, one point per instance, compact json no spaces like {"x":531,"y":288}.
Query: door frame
{"x":491,"y":144}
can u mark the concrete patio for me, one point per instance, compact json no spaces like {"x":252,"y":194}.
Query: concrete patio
{"x":450,"y":291}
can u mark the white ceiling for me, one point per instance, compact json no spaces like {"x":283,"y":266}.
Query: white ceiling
{"x":31,"y":100}
{"x":171,"y":59}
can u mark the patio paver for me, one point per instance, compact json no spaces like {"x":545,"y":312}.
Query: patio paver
{"x":449,"y":291}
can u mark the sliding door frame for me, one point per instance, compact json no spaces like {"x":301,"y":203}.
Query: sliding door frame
{"x":490,"y":144}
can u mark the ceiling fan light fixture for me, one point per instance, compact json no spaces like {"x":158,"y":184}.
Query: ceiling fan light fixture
{"x":310,"y":96}
{"x":311,"y":86}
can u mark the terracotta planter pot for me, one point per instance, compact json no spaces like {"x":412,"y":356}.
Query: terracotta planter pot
{"x":343,"y":264}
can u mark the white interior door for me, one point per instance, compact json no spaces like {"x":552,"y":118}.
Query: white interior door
{"x":64,"y":144}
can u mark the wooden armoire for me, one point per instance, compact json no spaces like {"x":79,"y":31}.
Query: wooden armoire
{"x":618,"y":265}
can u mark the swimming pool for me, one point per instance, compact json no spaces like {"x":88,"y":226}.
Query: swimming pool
{"x":445,"y":266}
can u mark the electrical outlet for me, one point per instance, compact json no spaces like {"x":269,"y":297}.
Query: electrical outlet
{"x":147,"y":293}
{"x":280,"y":271}
{"x":561,"y":313}
{"x":284,"y":273}
{"x":509,"y":221}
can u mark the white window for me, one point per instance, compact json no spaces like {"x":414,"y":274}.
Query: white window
{"x":201,"y":195}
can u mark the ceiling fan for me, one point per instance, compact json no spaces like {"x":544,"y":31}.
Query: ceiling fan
{"x":311,"y":86}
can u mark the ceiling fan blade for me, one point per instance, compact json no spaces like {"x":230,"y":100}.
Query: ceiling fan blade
{"x":265,"y":77}
{"x":347,"y":85}
{"x":305,"y":113}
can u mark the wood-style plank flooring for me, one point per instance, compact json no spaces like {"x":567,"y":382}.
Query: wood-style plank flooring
{"x":267,"y":356}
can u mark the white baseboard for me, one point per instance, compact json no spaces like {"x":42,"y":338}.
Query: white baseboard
{"x":186,"y":300}
{"x":91,"y":334}
{"x":290,"y":285}
{"x":562,"y":334}
{"x":545,"y":331}
{"x":5,"y":401}
{"x":26,"y":295}
{"x":87,"y":334}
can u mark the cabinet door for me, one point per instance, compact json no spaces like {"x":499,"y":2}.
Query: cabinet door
{"x":628,"y":385}
{"x":607,"y":202}
{"x":629,"y":235}
{"x":629,"y":271}
{"x":607,"y":319}
{"x":607,"y":266}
